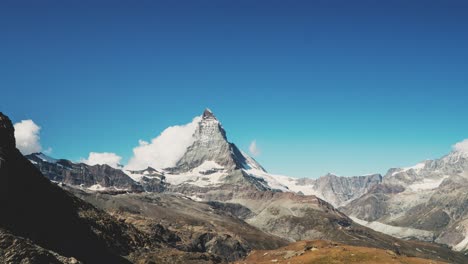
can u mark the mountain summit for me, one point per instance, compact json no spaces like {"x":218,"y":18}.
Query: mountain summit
{"x":211,"y":147}
{"x":208,"y":114}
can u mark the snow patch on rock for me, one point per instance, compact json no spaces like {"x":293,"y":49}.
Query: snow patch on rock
{"x":396,"y":231}
{"x":426,"y":184}
{"x":209,"y":173}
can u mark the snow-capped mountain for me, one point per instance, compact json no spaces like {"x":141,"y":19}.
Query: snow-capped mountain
{"x":210,"y":161}
{"x":211,"y":144}
{"x":428,"y":201}
{"x":96,"y":177}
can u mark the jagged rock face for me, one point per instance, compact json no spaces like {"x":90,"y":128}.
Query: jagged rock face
{"x":431,"y":196}
{"x":341,"y":190}
{"x":372,"y":205}
{"x":104,"y":177}
{"x":337,"y":190}
{"x":81,"y":174}
{"x":149,"y":179}
{"x":455,"y":163}
{"x":210,"y":144}
{"x":7,"y":134}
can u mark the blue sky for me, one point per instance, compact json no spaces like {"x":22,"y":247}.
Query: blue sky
{"x":350,"y":87}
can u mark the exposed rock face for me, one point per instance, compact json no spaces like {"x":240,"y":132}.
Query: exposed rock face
{"x":431,"y":196}
{"x":7,"y":135}
{"x":149,"y":179}
{"x":15,"y":249}
{"x":187,"y":225}
{"x":211,"y":144}
{"x":96,"y":177}
{"x":81,"y":174}
{"x":220,"y":245}
{"x":341,"y":190}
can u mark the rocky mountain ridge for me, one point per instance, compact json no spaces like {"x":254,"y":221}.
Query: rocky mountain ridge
{"x":428,"y":201}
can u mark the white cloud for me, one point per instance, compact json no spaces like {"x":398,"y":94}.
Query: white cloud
{"x":461,"y":146}
{"x":48,"y":151}
{"x":108,"y":158}
{"x":166,"y":149}
{"x":27,"y":137}
{"x":253,"y":148}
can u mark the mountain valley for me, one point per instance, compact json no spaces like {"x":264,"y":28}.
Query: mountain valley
{"x":218,"y":204}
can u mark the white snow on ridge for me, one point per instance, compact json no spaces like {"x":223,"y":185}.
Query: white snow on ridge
{"x":396,"y":231}
{"x":251,"y":163}
{"x":416,"y":168}
{"x":46,"y":158}
{"x":208,"y":165}
{"x":135,"y":176}
{"x":281,"y":182}
{"x":275,"y":181}
{"x":99,"y":187}
{"x":138,"y":175}
{"x":427,"y":184}
{"x":209,"y":173}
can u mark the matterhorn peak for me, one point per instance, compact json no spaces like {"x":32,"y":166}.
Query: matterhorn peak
{"x":208,"y":114}
{"x":211,"y":145}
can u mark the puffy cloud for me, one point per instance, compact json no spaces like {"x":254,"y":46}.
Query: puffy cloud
{"x":108,"y":158}
{"x":166,"y":149}
{"x":253,"y":148}
{"x":27,"y":137}
{"x":461,"y":146}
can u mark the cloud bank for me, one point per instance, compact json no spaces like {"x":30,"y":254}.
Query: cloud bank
{"x":461,"y":146}
{"x":253,"y":148}
{"x":164,"y":150}
{"x":27,"y":137}
{"x":108,"y":158}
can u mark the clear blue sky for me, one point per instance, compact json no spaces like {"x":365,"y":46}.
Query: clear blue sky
{"x":350,"y":87}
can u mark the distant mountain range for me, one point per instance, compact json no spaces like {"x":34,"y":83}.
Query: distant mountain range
{"x":428,"y":201}
{"x":216,"y":197}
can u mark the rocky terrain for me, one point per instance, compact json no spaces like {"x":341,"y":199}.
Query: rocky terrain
{"x":217,"y":204}
{"x":188,"y":225}
{"x":337,"y":190}
{"x":230,"y":230}
{"x":96,"y":177}
{"x":14,"y":249}
{"x":427,"y":201}
{"x":324,"y":252}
